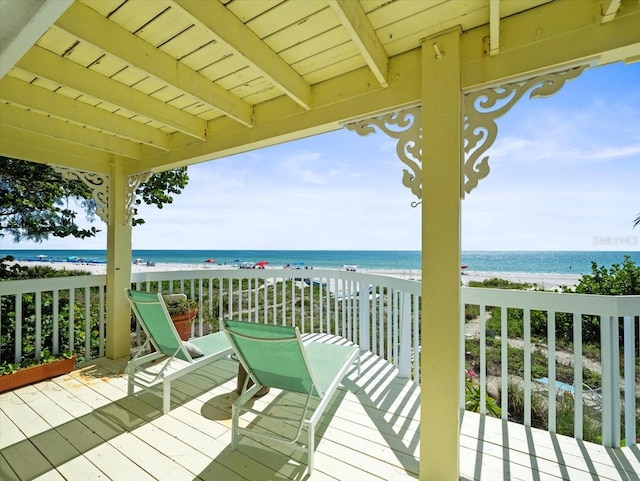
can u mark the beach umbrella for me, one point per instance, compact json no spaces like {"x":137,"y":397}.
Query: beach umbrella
{"x":262,"y":263}
{"x":210,"y":261}
{"x":41,"y":256}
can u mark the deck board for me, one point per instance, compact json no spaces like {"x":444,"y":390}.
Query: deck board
{"x":83,"y":426}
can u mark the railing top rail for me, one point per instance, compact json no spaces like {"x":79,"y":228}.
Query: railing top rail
{"x":373,"y":279}
{"x":21,"y":286}
{"x":594,"y":304}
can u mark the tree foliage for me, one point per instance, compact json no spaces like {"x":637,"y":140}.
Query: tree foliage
{"x":36,"y":202}
{"x":619,"y":280}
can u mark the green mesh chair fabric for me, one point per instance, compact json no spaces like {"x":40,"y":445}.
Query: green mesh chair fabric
{"x":155,"y":320}
{"x":272,"y":354}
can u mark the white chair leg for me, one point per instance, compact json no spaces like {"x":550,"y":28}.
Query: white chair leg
{"x":311,"y":447}
{"x":130,"y":385}
{"x":166,"y":397}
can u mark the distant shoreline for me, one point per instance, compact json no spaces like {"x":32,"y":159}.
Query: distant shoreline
{"x":544,"y":281}
{"x":524,"y":264}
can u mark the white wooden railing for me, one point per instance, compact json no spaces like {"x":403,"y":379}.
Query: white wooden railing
{"x":618,"y":319}
{"x":380,"y":313}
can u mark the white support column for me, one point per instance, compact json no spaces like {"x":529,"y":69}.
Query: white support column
{"x":118,"y":265}
{"x":441,"y":159}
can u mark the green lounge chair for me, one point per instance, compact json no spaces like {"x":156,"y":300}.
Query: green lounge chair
{"x":275,"y":356}
{"x":176,"y":358}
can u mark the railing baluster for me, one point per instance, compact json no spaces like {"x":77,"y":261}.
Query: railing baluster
{"x":551,"y":368}
{"x":578,"y":431}
{"x":56,"y":325}
{"x":416,"y":339}
{"x":483,"y":359}
{"x":18,"y":330}
{"x":101,"y":319}
{"x":527,"y":367}
{"x":405,"y":335}
{"x":72,"y":320}
{"x":87,"y":324}
{"x":38,"y":301}
{"x":504,"y":361}
{"x":610,"y":384}
{"x":629,"y":380}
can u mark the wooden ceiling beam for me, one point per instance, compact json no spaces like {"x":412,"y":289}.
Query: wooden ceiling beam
{"x":34,"y":147}
{"x":91,"y":27}
{"x":31,"y":96}
{"x":494,"y":27}
{"x":48,"y":65}
{"x":230,"y":30}
{"x":59,"y":129}
{"x":354,"y":19}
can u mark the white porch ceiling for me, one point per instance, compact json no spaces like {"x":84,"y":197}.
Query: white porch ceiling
{"x":166,"y":83}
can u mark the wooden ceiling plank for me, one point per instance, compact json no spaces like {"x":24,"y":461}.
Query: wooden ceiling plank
{"x":304,"y":34}
{"x":19,"y":92}
{"x":247,"y":44}
{"x":355,"y":21}
{"x":52,"y":127}
{"x":610,"y":9}
{"x":109,"y":37}
{"x":64,"y":72}
{"x":247,"y":11}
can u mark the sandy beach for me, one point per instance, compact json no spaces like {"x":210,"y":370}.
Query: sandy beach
{"x":544,"y":281}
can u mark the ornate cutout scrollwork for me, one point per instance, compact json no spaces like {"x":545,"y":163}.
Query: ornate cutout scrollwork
{"x":98,"y":183}
{"x":483,"y":107}
{"x":406,"y":127}
{"x":133,"y":182}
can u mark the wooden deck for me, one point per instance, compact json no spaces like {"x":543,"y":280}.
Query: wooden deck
{"x":82,"y":426}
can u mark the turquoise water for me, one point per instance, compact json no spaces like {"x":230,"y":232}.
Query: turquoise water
{"x":551,"y":262}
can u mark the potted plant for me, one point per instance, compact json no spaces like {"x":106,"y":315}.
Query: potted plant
{"x":33,"y":370}
{"x":182,"y":311}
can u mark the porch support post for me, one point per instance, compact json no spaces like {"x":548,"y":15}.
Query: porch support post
{"x":441,"y":185}
{"x":118,"y":266}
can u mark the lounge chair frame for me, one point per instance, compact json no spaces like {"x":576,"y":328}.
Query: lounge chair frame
{"x":171,"y":360}
{"x":347,"y":356}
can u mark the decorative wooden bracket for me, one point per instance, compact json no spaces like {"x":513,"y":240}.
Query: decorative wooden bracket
{"x":483,"y":107}
{"x":406,"y":127}
{"x":99,"y":185}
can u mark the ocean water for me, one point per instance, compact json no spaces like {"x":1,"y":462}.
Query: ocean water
{"x":549,"y":262}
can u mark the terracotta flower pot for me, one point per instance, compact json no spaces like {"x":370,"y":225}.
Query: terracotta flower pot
{"x":183,"y":323}
{"x":37,"y":373}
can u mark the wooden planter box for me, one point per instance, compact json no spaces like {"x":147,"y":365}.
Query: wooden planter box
{"x":37,"y":373}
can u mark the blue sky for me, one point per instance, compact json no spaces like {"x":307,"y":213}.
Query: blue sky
{"x":565,"y":175}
